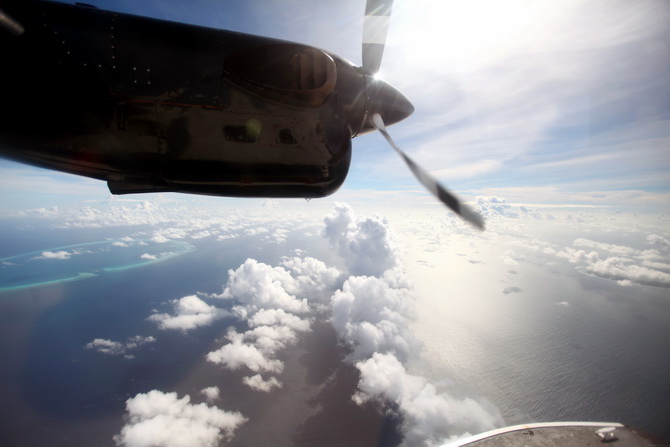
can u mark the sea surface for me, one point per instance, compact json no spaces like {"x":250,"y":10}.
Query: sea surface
{"x":532,"y":356}
{"x":546,"y":342}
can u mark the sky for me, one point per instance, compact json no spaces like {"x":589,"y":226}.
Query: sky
{"x":562,"y":103}
{"x":550,"y":118}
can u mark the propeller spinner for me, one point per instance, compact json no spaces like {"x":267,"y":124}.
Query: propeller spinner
{"x":385,"y":103}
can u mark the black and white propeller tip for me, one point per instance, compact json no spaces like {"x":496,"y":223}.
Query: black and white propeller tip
{"x":442,"y":194}
{"x":375,"y":30}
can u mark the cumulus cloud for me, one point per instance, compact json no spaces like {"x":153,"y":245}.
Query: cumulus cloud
{"x":111,"y":347}
{"x":656,"y":239}
{"x":62,"y":254}
{"x":493,"y":206}
{"x":162,"y":419}
{"x":159,"y":238}
{"x":189,"y":312}
{"x":370,"y":307}
{"x":237,"y":354}
{"x":258,"y":285}
{"x":576,"y":256}
{"x":616,"y":249}
{"x":259,"y":384}
{"x":106,"y":346}
{"x":372,"y":315}
{"x":430,"y":417}
{"x":148,"y":256}
{"x":270,"y":302}
{"x":365,"y":243}
{"x":271,"y":331}
{"x":622,"y":269}
{"x":277,"y":317}
{"x":211,"y":393}
{"x":624,"y":264}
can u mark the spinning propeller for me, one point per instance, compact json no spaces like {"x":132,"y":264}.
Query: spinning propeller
{"x":382,"y":102}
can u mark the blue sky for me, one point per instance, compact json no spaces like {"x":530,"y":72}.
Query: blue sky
{"x":542,"y":103}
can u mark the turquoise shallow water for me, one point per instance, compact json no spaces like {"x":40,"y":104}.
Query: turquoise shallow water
{"x":82,"y":261}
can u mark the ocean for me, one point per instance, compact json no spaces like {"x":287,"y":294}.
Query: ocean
{"x":535,"y":356}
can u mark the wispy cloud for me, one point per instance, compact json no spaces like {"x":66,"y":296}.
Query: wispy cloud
{"x":111,"y":347}
{"x":537,"y":98}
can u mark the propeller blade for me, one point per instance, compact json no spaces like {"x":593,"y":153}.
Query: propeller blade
{"x":452,"y":202}
{"x":375,"y":29}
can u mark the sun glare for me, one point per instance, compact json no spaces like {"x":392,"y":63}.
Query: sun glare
{"x":466,"y":33}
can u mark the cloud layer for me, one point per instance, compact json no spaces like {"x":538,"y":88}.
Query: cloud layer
{"x":370,"y":301}
{"x":627,"y":265}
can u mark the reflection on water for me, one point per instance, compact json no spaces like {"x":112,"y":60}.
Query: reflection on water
{"x":81,"y":261}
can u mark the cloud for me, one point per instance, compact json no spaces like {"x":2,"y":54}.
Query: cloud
{"x":621,"y":263}
{"x":271,"y":339}
{"x":510,"y":257}
{"x":269,"y":300}
{"x":622,"y":269}
{"x":237,"y":354}
{"x":162,"y":419}
{"x":260,"y":286}
{"x":271,"y":331}
{"x":493,"y":206}
{"x":661,"y":241}
{"x":616,"y":249}
{"x":278,"y":317}
{"x":106,"y":346}
{"x":111,"y":347}
{"x":509,"y":290}
{"x":259,"y":384}
{"x":189,"y":313}
{"x":657,"y":265}
{"x":371,"y":311}
{"x":54,"y":255}
{"x":576,"y":256}
{"x":430,"y":417}
{"x":312,"y":278}
{"x":211,"y":393}
{"x":366,"y":243}
{"x":148,"y":257}
{"x":372,"y":315}
{"x":520,"y":115}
